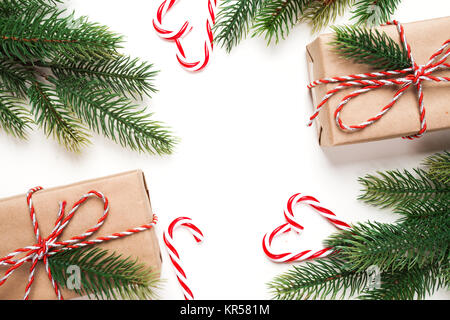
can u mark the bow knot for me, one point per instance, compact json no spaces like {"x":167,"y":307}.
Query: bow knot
{"x":419,"y":72}
{"x":43,"y":250}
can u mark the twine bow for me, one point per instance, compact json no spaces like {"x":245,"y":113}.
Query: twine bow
{"x":46,"y":247}
{"x":415,"y":75}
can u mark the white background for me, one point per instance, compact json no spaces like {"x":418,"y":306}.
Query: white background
{"x":244,"y":149}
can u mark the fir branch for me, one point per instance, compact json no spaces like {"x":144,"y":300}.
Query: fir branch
{"x":115,"y":116}
{"x":415,"y":283}
{"x":325,"y":278}
{"x":16,"y":7}
{"x":105,"y":275}
{"x":14,"y":118}
{"x":41,"y":33}
{"x":438,"y":167}
{"x":233,"y":21}
{"x":320,"y":13}
{"x":277,"y":17}
{"x":369,"y":46}
{"x":123,"y":75}
{"x":395,"y":188}
{"x":394,"y":246}
{"x":55,"y":119}
{"x":416,"y":210}
{"x":374,"y":12}
{"x":14,"y":78}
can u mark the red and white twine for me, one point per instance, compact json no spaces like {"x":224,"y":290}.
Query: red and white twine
{"x":173,"y":253}
{"x":415,"y":75}
{"x":177,"y":35}
{"x":292,"y":223}
{"x":46,"y":247}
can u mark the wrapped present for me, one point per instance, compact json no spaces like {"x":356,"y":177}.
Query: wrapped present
{"x":356,"y":103}
{"x":113,"y":213}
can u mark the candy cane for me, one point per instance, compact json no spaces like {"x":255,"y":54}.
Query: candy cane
{"x":173,"y":253}
{"x":293,"y":224}
{"x":177,"y":35}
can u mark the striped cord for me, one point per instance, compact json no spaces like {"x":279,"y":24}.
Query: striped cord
{"x":173,"y":253}
{"x":293,"y":224}
{"x":415,"y":75}
{"x":46,"y":247}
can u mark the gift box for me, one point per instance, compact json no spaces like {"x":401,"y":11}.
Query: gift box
{"x":129,"y":207}
{"x":425,"y":38}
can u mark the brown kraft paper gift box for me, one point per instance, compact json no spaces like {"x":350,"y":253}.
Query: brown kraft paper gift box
{"x":129,"y":207}
{"x":425,"y":38}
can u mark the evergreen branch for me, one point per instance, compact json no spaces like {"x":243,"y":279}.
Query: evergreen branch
{"x":277,"y":17}
{"x":394,"y":188}
{"x":320,"y":13}
{"x":414,"y":283}
{"x":394,"y":246}
{"x":55,"y":119}
{"x":369,"y":46}
{"x":16,"y":7}
{"x":14,"y":77}
{"x":14,"y":118}
{"x":438,"y":167}
{"x":123,"y":75}
{"x":41,"y":33}
{"x":416,"y":210}
{"x":115,"y":116}
{"x":325,"y":278}
{"x":374,"y":12}
{"x":233,"y":21}
{"x":105,"y":275}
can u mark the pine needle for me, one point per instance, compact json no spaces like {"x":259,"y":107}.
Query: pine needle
{"x":396,"y":188}
{"x":14,"y":118}
{"x":373,"y":13}
{"x":369,"y":46}
{"x":105,"y":275}
{"x":115,"y":116}
{"x":55,"y":119}
{"x":415,"y":283}
{"x":277,"y":17}
{"x":233,"y":21}
{"x":321,"y":13}
{"x":122,"y":74}
{"x":438,"y":167}
{"x":323,"y":279}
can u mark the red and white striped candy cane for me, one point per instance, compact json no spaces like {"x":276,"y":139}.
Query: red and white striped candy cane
{"x":177,"y":35}
{"x":293,"y":224}
{"x":173,"y":253}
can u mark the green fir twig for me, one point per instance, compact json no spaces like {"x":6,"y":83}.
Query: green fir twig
{"x":234,"y":20}
{"x":438,"y":167}
{"x":369,"y":46}
{"x":321,"y":13}
{"x":59,"y":63}
{"x":276,"y":18}
{"x":104,"y":275}
{"x":374,"y":12}
{"x":396,"y":188}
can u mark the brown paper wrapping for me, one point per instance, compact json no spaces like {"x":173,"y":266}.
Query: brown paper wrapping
{"x":129,"y":207}
{"x":425,"y":37}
